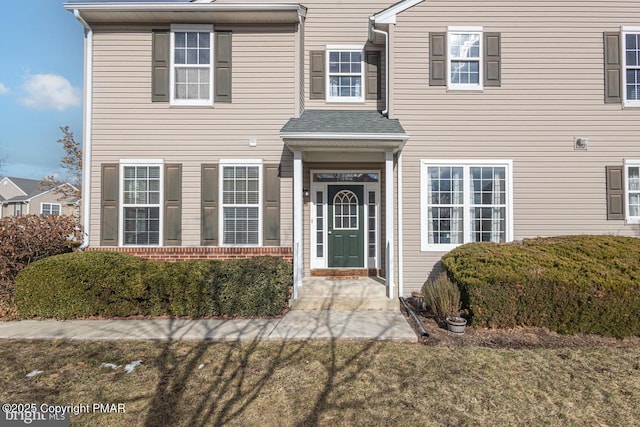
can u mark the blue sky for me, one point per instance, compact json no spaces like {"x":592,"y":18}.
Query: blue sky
{"x":40,"y":85}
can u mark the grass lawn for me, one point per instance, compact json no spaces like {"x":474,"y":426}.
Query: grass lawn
{"x":325,"y":383}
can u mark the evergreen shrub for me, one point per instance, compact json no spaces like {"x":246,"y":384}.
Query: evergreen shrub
{"x":110,"y":284}
{"x":569,"y":284}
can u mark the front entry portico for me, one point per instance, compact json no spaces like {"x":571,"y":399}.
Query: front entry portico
{"x":346,"y":214}
{"x":344,"y":219}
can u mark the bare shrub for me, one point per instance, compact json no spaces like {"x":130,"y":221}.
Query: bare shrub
{"x":30,"y":238}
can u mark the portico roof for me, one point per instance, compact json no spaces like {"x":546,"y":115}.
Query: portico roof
{"x":343,"y":129}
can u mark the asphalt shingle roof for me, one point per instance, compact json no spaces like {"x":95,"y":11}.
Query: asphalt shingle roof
{"x":342,"y":121}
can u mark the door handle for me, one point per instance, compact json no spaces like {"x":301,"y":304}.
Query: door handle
{"x":329,"y":231}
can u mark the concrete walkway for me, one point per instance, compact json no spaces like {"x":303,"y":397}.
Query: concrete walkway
{"x":295,"y":325}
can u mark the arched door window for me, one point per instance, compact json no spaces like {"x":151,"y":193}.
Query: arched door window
{"x":345,"y":210}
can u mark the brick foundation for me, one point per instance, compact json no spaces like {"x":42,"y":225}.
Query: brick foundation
{"x":205,"y":252}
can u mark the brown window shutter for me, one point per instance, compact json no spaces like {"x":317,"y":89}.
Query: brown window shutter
{"x":160,"y":66}
{"x":172,"y":204}
{"x":209,"y":216}
{"x":109,"y":204}
{"x":437,"y":59}
{"x":615,"y":192}
{"x":372,"y":59}
{"x":271,"y":205}
{"x":612,"y":69}
{"x":223,"y":56}
{"x":492,"y":60}
{"x":317,"y":77}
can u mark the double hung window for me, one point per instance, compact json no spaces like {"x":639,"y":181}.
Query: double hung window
{"x":464,"y":57}
{"x":345,"y":76}
{"x":632,"y":180}
{"x":141,"y":199}
{"x":465,"y":202}
{"x":192,"y":64}
{"x":50,"y":209}
{"x":241,"y":202}
{"x":631,"y":71}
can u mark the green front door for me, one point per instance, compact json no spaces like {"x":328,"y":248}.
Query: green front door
{"x":346,"y":226}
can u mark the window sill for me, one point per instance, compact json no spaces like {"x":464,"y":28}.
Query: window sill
{"x":439,"y":247}
{"x":461,"y":90}
{"x":208,"y":106}
{"x":346,"y":101}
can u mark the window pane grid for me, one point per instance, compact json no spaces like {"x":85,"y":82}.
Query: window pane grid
{"x":464,"y":52}
{"x":240,"y":199}
{"x":345,"y":74}
{"x":192,"y":65}
{"x":320,"y":224}
{"x":488,"y":204}
{"x":372,"y":227}
{"x":141,"y":201}
{"x":633,"y":187}
{"x":446,"y":198}
{"x":632,"y":62}
{"x":466,"y":204}
{"x":345,"y":210}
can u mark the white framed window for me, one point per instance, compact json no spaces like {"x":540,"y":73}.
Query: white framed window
{"x":464,"y":58}
{"x":241,"y":183}
{"x":141,"y":203}
{"x":345,"y":77}
{"x":632,"y":191}
{"x":17,"y":209}
{"x":50,"y":209}
{"x":191,"y":65}
{"x":465,"y":201}
{"x":631,"y":66}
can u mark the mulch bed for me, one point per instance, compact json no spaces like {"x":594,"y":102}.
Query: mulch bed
{"x":516,"y":338}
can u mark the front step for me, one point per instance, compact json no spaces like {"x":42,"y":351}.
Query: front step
{"x":363,"y":293}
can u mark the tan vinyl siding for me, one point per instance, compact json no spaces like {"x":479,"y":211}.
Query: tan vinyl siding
{"x":337,"y":22}
{"x":552,"y":91}
{"x":127,"y":125}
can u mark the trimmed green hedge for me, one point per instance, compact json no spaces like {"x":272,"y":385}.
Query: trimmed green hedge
{"x":110,"y":284}
{"x":568,"y":284}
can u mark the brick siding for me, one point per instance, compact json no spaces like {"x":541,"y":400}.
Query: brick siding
{"x":207,"y":252}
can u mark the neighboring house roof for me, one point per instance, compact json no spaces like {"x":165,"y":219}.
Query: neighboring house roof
{"x":30,"y":187}
{"x":321,"y":129}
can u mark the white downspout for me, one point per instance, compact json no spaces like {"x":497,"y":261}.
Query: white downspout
{"x":400,"y":227}
{"x":386,"y":64}
{"x":86,"y":150}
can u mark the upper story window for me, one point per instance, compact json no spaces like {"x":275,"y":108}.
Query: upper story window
{"x":192,"y":64}
{"x":50,"y":209}
{"x":464,"y":58}
{"x":631,"y":73}
{"x":345,"y":77}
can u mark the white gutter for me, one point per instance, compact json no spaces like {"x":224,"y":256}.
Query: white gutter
{"x":86,"y":149}
{"x":386,"y":62}
{"x":184,"y":7}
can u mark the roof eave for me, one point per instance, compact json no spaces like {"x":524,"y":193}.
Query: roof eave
{"x":111,"y":12}
{"x":388,"y":15}
{"x":306,"y":141}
